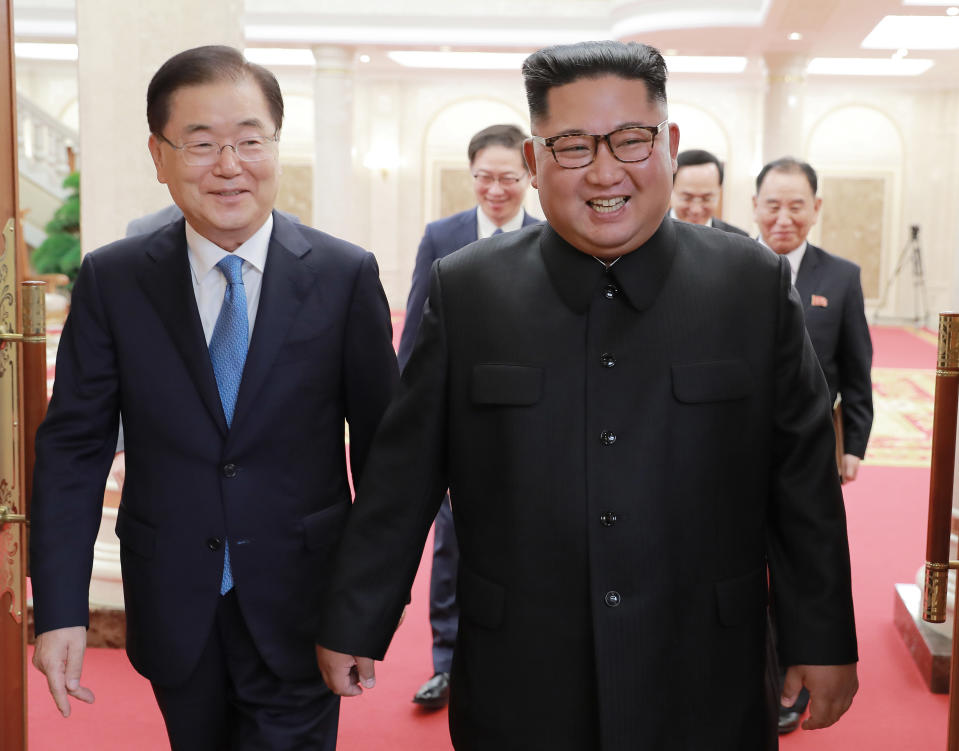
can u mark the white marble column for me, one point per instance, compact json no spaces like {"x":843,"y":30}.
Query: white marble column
{"x":333,"y":133}
{"x":121,"y":45}
{"x":785,"y":92}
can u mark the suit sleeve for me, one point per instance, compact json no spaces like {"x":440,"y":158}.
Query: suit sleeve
{"x":854,"y":361}
{"x":370,"y":372}
{"x":807,"y":546}
{"x":398,"y":497}
{"x":425,"y":255}
{"x":75,"y":447}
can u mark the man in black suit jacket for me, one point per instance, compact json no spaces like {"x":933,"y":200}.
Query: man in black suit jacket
{"x":500,"y":183}
{"x":697,"y":189}
{"x":236,"y":488}
{"x":786,"y":207}
{"x":633,"y":426}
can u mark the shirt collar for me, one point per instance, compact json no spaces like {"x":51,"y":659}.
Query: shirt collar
{"x":639,"y":275}
{"x":485,"y":226}
{"x":794,"y":257}
{"x":205,"y":254}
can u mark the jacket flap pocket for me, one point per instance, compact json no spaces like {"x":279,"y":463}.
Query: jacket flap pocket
{"x":325,"y":527}
{"x":498,"y":383}
{"x":481,"y":600}
{"x":722,"y":380}
{"x":137,"y":536}
{"x":741,"y":598}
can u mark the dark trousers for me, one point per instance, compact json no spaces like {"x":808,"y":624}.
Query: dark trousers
{"x":234,"y":702}
{"x":444,"y":612}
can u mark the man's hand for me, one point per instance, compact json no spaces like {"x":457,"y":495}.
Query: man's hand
{"x":58,"y":654}
{"x":850,"y":467}
{"x":831,"y":688}
{"x":344,"y":674}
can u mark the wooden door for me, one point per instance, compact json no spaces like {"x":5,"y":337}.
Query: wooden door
{"x":22,"y":364}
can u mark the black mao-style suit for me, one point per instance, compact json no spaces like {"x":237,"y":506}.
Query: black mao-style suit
{"x":275,"y":483}
{"x":628,"y":450}
{"x":726,"y":227}
{"x":442,"y":237}
{"x":832,"y":300}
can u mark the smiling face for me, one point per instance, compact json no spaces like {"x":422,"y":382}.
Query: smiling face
{"x":228,"y":201}
{"x":607,"y":208}
{"x":785,"y":209}
{"x":696,"y":193}
{"x":500,"y":200}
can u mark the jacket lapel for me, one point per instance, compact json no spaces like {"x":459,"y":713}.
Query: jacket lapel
{"x":165,"y":280}
{"x":807,"y":279}
{"x":286,"y":282}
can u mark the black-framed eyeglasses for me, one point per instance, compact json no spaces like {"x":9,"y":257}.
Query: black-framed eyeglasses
{"x":575,"y":150}
{"x":205,"y":153}
{"x":487,"y":180}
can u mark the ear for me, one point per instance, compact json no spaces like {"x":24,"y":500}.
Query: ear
{"x":156,"y":151}
{"x":756,"y":209}
{"x":673,"y":144}
{"x":529,"y":155}
{"x":816,"y":206}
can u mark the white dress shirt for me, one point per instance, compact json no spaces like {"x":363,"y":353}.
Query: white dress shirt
{"x":209,"y":283}
{"x":485,"y":227}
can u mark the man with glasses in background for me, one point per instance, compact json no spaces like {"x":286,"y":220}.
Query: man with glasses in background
{"x":500,"y":182}
{"x":697,"y":190}
{"x":235,"y":342}
{"x":632,"y":425}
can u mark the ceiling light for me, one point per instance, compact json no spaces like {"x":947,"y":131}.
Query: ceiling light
{"x":43,"y":51}
{"x":867,"y":66}
{"x":952,"y":11}
{"x":900,"y":53}
{"x":795,"y":36}
{"x":928,"y":2}
{"x":914,"y":32}
{"x":280,"y":56}
{"x":704,"y":64}
{"x":364,"y":58}
{"x":459,"y":60}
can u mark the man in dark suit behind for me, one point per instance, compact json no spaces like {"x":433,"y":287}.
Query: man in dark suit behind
{"x":235,"y":343}
{"x":500,"y":183}
{"x":633,"y":427}
{"x":697,"y":190}
{"x":786,"y":207}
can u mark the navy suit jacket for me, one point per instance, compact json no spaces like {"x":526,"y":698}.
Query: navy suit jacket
{"x":275,"y":483}
{"x":442,"y":237}
{"x":832,"y":301}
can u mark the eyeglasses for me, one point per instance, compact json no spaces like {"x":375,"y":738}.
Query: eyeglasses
{"x":206,"y":153}
{"x":575,"y":150}
{"x":487,"y":180}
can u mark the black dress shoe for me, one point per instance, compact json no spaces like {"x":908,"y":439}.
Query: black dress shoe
{"x":435,"y":693}
{"x":788,"y":721}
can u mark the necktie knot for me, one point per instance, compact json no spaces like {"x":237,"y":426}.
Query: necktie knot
{"x":232,"y":268}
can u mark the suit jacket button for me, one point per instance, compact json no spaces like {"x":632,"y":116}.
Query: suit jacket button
{"x":613,"y":599}
{"x":607,"y":438}
{"x":611,"y":291}
{"x":609,"y":518}
{"x":229,"y":470}
{"x":214,"y":544}
{"x":607,"y":359}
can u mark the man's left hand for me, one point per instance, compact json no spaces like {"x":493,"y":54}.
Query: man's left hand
{"x":344,"y":674}
{"x":850,"y":467}
{"x":831,"y":689}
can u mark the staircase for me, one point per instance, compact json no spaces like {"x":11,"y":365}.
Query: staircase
{"x":46,"y":149}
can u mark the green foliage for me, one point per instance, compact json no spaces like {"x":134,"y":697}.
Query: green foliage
{"x":60,"y":252}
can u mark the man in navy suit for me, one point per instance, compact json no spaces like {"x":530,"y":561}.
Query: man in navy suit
{"x":697,"y":189}
{"x":500,"y":182}
{"x":236,"y":486}
{"x":786,"y":207}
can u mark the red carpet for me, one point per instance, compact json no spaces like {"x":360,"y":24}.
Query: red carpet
{"x":894,"y":711}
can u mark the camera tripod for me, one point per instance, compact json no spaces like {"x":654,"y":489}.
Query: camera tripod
{"x":910,"y":252}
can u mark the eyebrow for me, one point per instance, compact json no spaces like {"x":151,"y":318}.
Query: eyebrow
{"x":580,"y":131}
{"x":252,"y":122}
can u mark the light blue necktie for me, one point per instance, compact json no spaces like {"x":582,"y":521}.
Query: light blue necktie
{"x":497,"y":231}
{"x":228,"y":347}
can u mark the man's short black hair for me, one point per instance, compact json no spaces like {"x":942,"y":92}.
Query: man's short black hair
{"x":791,"y":165}
{"x":695,"y":157}
{"x":203,"y":65}
{"x":508,"y":136}
{"x":566,"y":63}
